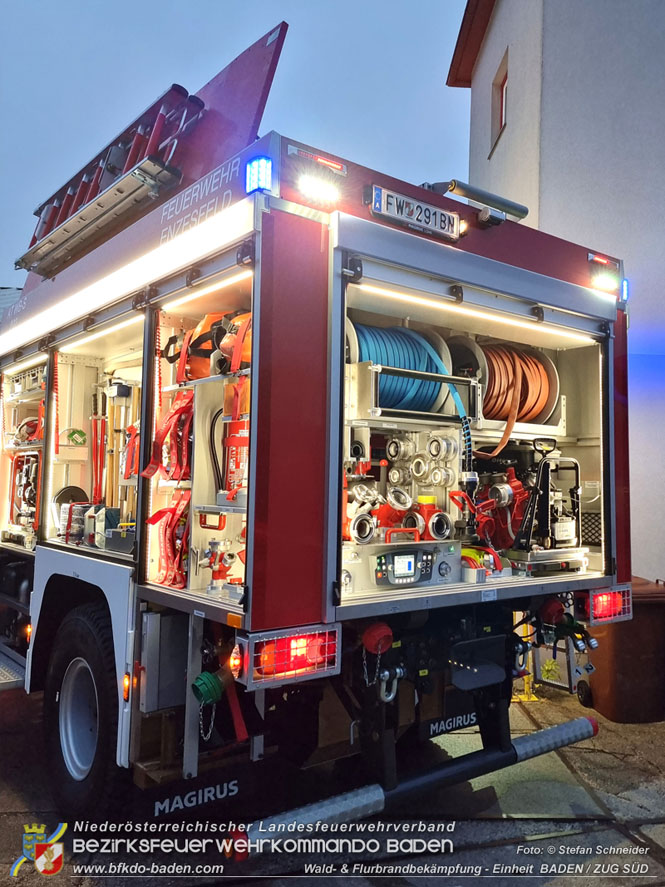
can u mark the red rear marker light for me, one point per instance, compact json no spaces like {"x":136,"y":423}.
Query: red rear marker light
{"x":291,"y":656}
{"x":332,"y":164}
{"x":610,"y":606}
{"x":335,"y":165}
{"x":267,"y":656}
{"x":607,"y":604}
{"x":597,"y":259}
{"x":606,"y":273}
{"x":288,"y":655}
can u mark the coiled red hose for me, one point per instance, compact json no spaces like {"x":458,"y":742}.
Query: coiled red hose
{"x":518,"y":389}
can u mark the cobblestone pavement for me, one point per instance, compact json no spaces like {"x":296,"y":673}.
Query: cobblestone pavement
{"x":563,"y":817}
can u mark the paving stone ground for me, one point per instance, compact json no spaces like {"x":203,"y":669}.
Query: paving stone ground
{"x":568,"y":814}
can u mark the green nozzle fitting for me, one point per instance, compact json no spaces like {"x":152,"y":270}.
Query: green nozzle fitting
{"x":207,"y":688}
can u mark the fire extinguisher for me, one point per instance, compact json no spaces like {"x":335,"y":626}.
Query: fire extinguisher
{"x":232,"y":478}
{"x":236,"y":456}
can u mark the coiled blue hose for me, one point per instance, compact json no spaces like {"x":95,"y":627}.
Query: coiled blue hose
{"x":408,"y":350}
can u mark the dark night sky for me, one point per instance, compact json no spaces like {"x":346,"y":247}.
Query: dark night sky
{"x":364,"y":79}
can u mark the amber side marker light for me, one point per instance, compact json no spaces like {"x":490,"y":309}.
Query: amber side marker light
{"x":235,"y":662}
{"x":126,"y":683}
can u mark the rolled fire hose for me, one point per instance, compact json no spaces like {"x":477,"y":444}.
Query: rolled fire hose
{"x":406,"y":349}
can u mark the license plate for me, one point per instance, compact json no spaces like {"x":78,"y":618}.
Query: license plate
{"x":414,"y":213}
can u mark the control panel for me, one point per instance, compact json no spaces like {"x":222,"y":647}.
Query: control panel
{"x":374,"y":569}
{"x":403,"y":567}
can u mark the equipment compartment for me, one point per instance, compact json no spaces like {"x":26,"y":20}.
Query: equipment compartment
{"x":94,"y":438}
{"x":199,"y":468}
{"x":470,"y":451}
{"x":21,"y":457}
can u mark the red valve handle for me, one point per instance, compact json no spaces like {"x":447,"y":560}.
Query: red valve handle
{"x":220,"y":525}
{"x":413,"y":530}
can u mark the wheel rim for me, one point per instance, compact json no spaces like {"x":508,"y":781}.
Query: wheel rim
{"x":79,"y":718}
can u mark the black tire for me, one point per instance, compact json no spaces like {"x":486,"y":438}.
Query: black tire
{"x":83,"y":650}
{"x":584,"y":694}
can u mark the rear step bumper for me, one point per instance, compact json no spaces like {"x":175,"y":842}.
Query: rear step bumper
{"x":12,"y":673}
{"x":372,"y":799}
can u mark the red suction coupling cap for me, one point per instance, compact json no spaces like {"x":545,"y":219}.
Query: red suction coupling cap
{"x":552,"y":611}
{"x":377,"y":638}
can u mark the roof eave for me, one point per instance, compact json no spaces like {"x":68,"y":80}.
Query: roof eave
{"x":469,"y":40}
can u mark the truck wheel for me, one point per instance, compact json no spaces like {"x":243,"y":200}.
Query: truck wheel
{"x":81,"y":714}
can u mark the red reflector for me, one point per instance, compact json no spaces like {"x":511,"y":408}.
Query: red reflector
{"x":601,"y":260}
{"x":607,"y":605}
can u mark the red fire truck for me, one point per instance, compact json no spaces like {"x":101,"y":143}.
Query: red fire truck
{"x":299,"y":462}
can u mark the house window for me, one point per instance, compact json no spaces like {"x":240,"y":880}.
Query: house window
{"x":504,"y":95}
{"x":499,"y":100}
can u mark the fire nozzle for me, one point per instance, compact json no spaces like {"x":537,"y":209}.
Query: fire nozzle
{"x":468,"y":523}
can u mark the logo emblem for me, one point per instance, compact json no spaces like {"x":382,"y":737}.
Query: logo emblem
{"x":32,"y":835}
{"x":45,"y":852}
{"x":49,"y":858}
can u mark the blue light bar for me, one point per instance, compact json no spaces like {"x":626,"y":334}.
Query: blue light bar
{"x":258,"y":175}
{"x":624,"y":290}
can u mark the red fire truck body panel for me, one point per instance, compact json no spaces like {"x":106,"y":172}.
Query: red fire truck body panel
{"x":621,"y":460}
{"x":511,"y":242}
{"x":291,"y":443}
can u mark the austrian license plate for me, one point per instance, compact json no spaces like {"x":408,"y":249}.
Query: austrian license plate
{"x":414,"y":213}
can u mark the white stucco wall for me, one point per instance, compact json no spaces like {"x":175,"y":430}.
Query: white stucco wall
{"x":602,"y":182}
{"x":600,"y":125}
{"x":520,"y":139}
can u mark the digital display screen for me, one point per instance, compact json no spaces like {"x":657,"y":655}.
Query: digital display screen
{"x":404,"y":565}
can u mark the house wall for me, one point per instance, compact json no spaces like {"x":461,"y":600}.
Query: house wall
{"x":511,"y":166}
{"x":583,"y":148}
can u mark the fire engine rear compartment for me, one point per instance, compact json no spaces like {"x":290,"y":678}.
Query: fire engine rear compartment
{"x":275,"y":718}
{"x":367,"y":644}
{"x":314,"y":482}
